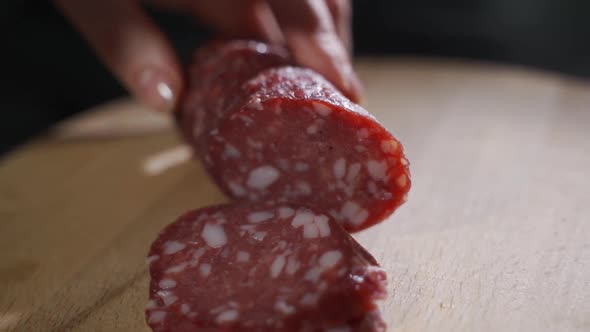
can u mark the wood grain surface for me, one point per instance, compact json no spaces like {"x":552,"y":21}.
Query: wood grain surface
{"x":495,"y":235}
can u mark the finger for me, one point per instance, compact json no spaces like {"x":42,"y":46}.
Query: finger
{"x":269,"y":28}
{"x":131,"y":46}
{"x":342,"y":17}
{"x":310,"y":34}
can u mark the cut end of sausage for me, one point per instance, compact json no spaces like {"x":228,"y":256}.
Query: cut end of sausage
{"x":261,"y":267}
{"x":287,"y":143}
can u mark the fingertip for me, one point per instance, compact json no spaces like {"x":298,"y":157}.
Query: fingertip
{"x":355,"y":88}
{"x":337,"y":65}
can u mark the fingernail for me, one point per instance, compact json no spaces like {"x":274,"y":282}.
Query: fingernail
{"x":156,"y":89}
{"x":351,"y":84}
{"x":342,"y":63}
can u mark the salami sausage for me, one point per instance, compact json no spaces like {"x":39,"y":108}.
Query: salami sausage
{"x":286,"y":133}
{"x":262,"y":267}
{"x":214,"y":78}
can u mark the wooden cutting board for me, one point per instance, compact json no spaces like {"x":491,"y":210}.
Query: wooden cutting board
{"x":495,"y":235}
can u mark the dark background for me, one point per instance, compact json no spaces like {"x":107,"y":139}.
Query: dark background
{"x":48,"y":72}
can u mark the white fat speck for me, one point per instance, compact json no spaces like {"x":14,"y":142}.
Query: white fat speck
{"x":301,"y":166}
{"x":163,"y":294}
{"x":262,"y":177}
{"x":228,"y":316}
{"x":310,"y":231}
{"x":236,"y":189}
{"x":339,"y":168}
{"x":168,"y":300}
{"x":360,"y":148}
{"x":254,"y":144}
{"x":285,"y":212}
{"x":292,"y":265}
{"x":205,"y":269}
{"x":323,"y":225}
{"x":280,"y":246}
{"x":185,"y":308}
{"x":353,"y":171}
{"x":303,"y":188}
{"x":404,"y":161}
{"x":354,"y":213}
{"x":242,"y":256}
{"x":259,"y":236}
{"x":150,"y":259}
{"x":256,"y":217}
{"x":277,"y":266}
{"x":309,"y":299}
{"x":402,"y":180}
{"x":283,"y":307}
{"x":312,"y":129}
{"x":302,"y":217}
{"x":230,"y":151}
{"x":335,"y":214}
{"x":256,"y":104}
{"x":405,"y":198}
{"x":313,"y":274}
{"x":339,"y":329}
{"x":172,"y":247}
{"x":177,"y":268}
{"x":330,"y":258}
{"x":377,"y":169}
{"x":283,"y":164}
{"x":196,"y":256}
{"x":248,"y":228}
{"x":214,"y":235}
{"x":321,"y":109}
{"x":313,"y":226}
{"x":389,"y":146}
{"x":363,"y":133}
{"x":156,"y":317}
{"x":151,"y":305}
{"x":167,"y":283}
{"x":261,"y":48}
{"x":247,"y":120}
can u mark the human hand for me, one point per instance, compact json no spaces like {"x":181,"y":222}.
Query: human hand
{"x":316,"y":31}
